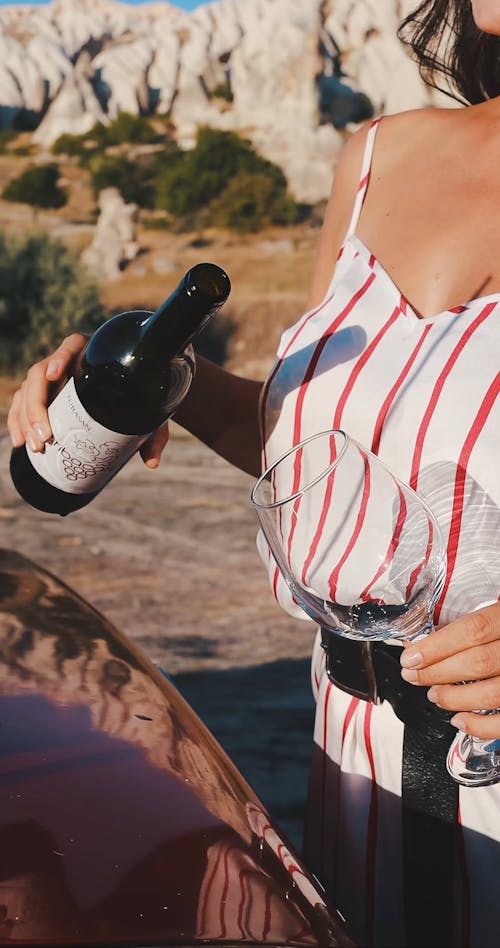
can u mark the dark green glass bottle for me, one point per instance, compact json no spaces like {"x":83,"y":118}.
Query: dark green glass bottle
{"x":131,"y":377}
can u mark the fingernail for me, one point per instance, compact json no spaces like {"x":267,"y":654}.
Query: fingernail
{"x":432,"y":694}
{"x":32,"y":442}
{"x":152,"y":463}
{"x":52,"y":367}
{"x":41,"y":431}
{"x":409,"y":675}
{"x":458,"y":721}
{"x":411,"y":659}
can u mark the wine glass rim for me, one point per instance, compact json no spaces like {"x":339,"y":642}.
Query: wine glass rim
{"x":293,"y":450}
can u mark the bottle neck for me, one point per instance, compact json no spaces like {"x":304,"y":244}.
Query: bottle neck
{"x":172,"y":328}
{"x":186,"y":311}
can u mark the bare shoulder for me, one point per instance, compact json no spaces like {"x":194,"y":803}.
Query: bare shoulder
{"x":397,"y":133}
{"x":398,"y":136}
{"x":403,"y":132}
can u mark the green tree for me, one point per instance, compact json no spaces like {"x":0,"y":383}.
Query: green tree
{"x":37,"y":186}
{"x":44,"y":295}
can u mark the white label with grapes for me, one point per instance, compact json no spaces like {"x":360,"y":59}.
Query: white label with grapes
{"x":82,"y":455}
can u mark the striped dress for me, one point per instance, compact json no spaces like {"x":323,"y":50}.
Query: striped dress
{"x":421,"y":393}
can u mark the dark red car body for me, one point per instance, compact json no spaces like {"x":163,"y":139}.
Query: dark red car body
{"x":122,"y":821}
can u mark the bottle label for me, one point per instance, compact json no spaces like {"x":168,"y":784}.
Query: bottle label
{"x":82,"y":455}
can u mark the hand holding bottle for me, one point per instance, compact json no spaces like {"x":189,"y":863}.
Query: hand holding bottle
{"x":28,"y":420}
{"x":126,"y":380}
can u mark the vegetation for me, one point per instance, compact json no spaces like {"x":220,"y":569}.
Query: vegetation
{"x":125,"y":129}
{"x":37,"y":186}
{"x":7,"y":136}
{"x":72,"y":145}
{"x":223,"y":91}
{"x":252,"y":201}
{"x":222,"y":177}
{"x":223,"y":180}
{"x":134,"y":180}
{"x":45,"y":294}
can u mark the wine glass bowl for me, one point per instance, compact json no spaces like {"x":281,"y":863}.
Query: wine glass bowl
{"x":361,"y":553}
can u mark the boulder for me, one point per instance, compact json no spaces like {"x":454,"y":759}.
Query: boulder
{"x":114,"y":244}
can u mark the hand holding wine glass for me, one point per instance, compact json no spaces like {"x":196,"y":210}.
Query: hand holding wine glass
{"x":361,"y":552}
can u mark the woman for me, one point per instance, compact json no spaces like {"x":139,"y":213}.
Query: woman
{"x":399,"y":347}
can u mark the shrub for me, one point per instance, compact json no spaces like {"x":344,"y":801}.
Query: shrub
{"x":67,"y":144}
{"x":23,"y":150}
{"x":223,"y":162}
{"x":134,"y":129}
{"x":7,"y":135}
{"x":45,"y":294}
{"x":37,"y":186}
{"x":223,"y":91}
{"x":134,"y":180}
{"x":199,"y":175}
{"x":157,"y":223}
{"x":252,"y":201}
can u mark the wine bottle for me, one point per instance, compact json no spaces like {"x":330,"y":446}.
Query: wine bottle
{"x":131,"y":377}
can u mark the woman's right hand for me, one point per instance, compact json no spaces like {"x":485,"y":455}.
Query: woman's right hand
{"x":28,"y":421}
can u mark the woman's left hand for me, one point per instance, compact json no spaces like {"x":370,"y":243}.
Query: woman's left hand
{"x":460,"y":662}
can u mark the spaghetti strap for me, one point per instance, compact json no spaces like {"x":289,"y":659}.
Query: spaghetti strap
{"x":365,"y":177}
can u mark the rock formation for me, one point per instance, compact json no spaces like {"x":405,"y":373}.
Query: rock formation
{"x":65,"y":65}
{"x":114,"y":243}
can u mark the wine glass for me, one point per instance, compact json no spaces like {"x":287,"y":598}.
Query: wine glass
{"x":360,"y":551}
{"x":472,"y":761}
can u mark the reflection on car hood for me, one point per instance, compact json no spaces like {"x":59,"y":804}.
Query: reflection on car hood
{"x":122,"y":821}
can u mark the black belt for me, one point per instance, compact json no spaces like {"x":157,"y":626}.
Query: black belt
{"x":372,"y":671}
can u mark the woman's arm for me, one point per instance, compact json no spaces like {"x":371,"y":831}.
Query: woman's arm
{"x":222,"y":410}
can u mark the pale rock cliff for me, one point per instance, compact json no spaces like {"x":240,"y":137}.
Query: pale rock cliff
{"x":66,"y":65}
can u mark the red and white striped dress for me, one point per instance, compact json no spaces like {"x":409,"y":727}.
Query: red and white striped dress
{"x":423,"y":394}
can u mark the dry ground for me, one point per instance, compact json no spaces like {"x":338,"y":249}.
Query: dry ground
{"x":169,"y":556}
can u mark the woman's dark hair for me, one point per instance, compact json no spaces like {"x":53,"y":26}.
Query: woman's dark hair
{"x":446,"y":42}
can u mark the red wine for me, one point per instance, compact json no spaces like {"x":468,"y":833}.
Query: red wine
{"x":131,"y":377}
